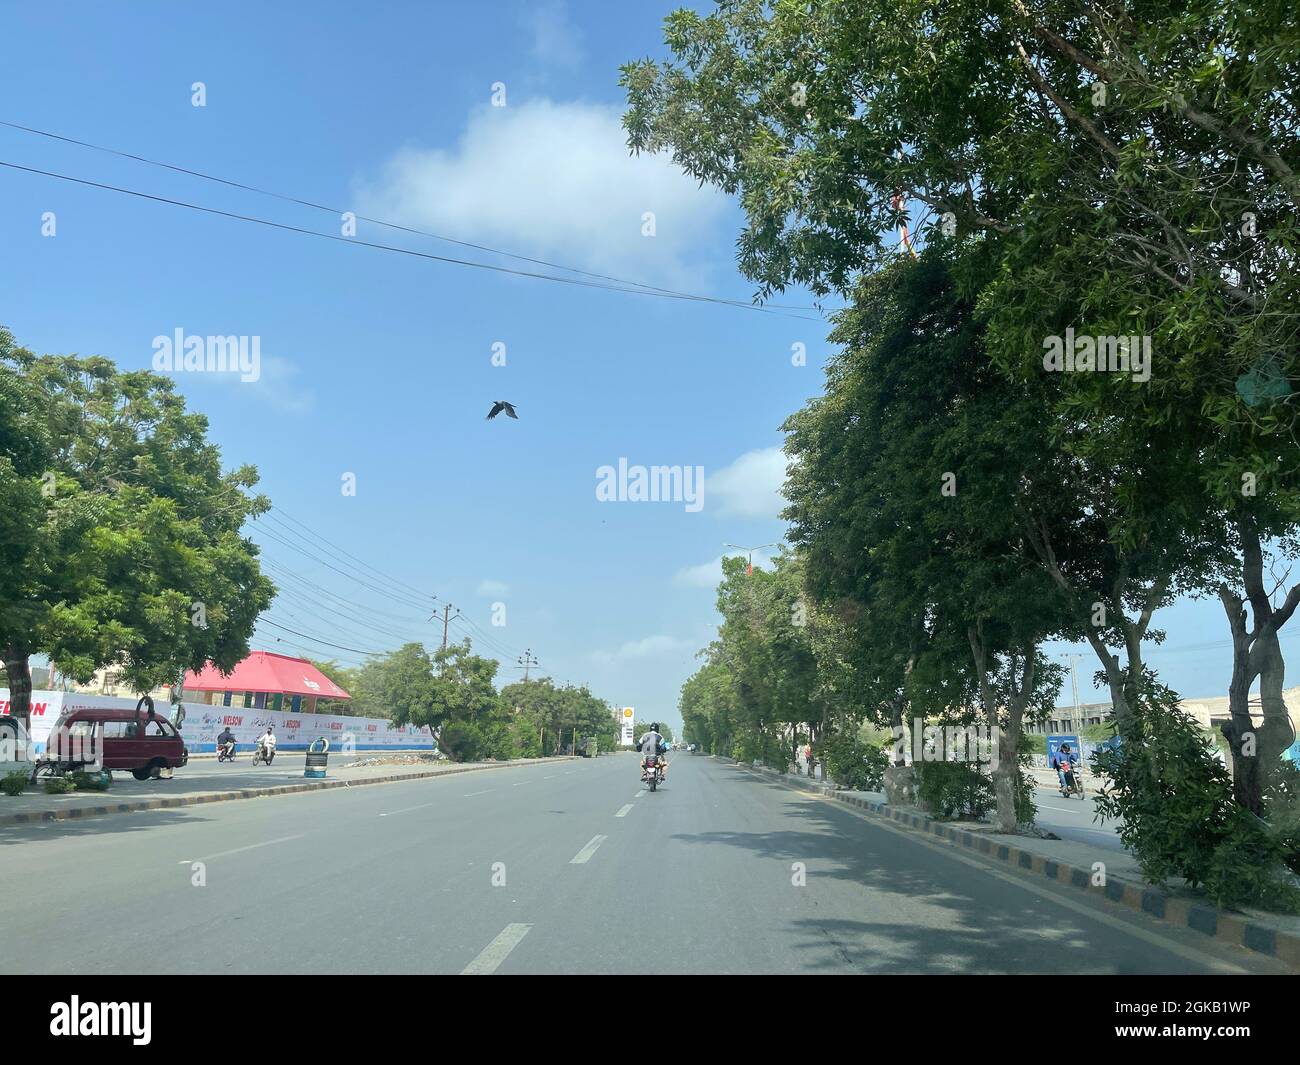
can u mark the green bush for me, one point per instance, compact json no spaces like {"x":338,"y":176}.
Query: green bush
{"x":1283,"y":807}
{"x":1172,"y":801}
{"x":953,"y":789}
{"x":59,"y":785}
{"x":83,"y":781}
{"x":850,"y":763}
{"x":14,"y":783}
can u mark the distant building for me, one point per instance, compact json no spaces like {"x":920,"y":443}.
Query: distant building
{"x":263,"y":680}
{"x":1208,"y":712}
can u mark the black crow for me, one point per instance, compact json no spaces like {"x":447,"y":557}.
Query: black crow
{"x":501,"y":405}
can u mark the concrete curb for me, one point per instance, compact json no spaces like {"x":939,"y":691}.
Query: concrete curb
{"x":1223,"y":925}
{"x":78,"y":813}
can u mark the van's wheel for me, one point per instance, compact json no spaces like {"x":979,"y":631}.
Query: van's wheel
{"x":144,"y":772}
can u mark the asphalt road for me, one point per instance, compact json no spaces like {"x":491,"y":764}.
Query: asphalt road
{"x":558,"y":868}
{"x":1075,"y":819}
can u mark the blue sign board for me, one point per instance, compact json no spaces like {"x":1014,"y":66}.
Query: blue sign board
{"x":1054,"y":745}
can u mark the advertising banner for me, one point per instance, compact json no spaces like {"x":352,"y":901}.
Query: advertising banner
{"x":202,"y":723}
{"x":628,"y":723}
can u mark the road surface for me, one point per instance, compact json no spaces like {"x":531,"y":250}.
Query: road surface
{"x":558,"y":868}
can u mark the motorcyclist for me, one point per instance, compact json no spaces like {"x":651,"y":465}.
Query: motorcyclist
{"x":1064,"y":761}
{"x":226,"y":741}
{"x":267,"y":742}
{"x":652,"y":746}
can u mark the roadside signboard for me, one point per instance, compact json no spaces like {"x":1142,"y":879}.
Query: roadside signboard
{"x":629,"y":724}
{"x":1054,"y":745}
{"x":204,"y":722}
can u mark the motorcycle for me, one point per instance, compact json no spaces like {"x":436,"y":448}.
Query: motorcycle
{"x":263,"y":754}
{"x":1073,"y":784}
{"x":652,"y":773}
{"x":226,"y":752}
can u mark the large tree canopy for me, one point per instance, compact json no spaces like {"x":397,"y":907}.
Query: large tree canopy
{"x":126,"y":545}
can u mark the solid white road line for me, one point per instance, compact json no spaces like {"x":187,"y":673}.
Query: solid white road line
{"x":522,"y":783}
{"x":623,"y":812}
{"x":407,"y":809}
{"x":583,"y":856}
{"x":639,"y":794}
{"x":471,"y":794}
{"x":491,"y":957}
{"x":237,"y":850}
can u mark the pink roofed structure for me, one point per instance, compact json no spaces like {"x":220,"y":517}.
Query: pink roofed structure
{"x":265,"y":674}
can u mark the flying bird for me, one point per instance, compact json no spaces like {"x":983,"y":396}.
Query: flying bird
{"x":501,"y":405}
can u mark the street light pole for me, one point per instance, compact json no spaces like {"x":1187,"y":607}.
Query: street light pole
{"x":1074,"y":684}
{"x":749,"y":572}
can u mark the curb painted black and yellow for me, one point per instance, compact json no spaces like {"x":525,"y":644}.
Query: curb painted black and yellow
{"x":1222,"y":925}
{"x":74,"y":813}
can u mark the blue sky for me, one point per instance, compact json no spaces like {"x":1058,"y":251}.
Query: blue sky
{"x":380,"y":365}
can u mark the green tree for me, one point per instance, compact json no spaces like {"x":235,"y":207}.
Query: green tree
{"x":127,"y":548}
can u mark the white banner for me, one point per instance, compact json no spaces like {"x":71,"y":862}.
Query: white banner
{"x":629,"y":726}
{"x":203,"y":722}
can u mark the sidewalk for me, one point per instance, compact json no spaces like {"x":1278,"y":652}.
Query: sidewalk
{"x":128,"y":795}
{"x":1081,"y":865}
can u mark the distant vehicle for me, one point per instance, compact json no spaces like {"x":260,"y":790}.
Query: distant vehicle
{"x":140,"y":740}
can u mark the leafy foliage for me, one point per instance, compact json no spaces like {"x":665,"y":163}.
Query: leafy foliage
{"x":953,"y":789}
{"x":1173,"y":803}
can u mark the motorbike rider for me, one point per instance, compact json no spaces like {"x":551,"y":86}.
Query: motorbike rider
{"x":1064,"y":762}
{"x":652,"y":746}
{"x":226,"y":740}
{"x":267,"y":742}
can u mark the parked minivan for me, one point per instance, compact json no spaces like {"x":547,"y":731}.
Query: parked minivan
{"x":139,"y":740}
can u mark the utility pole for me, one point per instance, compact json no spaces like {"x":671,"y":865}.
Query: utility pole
{"x":1074,"y":684}
{"x":527,"y":661}
{"x":446,"y":620}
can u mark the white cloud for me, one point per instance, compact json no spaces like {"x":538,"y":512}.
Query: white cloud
{"x":750,"y":487}
{"x":649,"y":647}
{"x":491,"y":587}
{"x":556,"y":40}
{"x":709,"y":574}
{"x":553,"y":180}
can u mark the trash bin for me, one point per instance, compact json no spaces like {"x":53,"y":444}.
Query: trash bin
{"x":317,"y":758}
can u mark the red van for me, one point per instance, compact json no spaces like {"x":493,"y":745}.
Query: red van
{"x":139,"y":740}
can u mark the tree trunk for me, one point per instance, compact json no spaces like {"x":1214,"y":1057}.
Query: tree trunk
{"x":1247,"y":787}
{"x":1256,"y":750}
{"x":1276,"y":733}
{"x":1006,"y":774}
{"x":19,"y":671}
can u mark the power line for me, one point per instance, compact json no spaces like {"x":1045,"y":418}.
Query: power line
{"x":281,"y":571}
{"x":381,"y":222}
{"x":315,"y":602}
{"x":278,"y":512}
{"x":383,"y":247}
{"x":351,"y":576}
{"x":313,"y":639}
